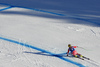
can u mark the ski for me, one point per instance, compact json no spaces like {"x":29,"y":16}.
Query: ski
{"x":80,"y":58}
{"x":86,"y":58}
{"x":83,"y":58}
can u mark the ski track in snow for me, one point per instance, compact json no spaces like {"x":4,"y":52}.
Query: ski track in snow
{"x":41,"y":64}
{"x":39,"y":49}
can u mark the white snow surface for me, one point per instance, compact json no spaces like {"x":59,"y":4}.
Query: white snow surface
{"x":49,"y":32}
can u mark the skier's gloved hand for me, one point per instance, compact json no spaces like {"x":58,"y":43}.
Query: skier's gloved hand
{"x":67,"y":54}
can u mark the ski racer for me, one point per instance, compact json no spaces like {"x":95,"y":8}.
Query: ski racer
{"x":73,"y":51}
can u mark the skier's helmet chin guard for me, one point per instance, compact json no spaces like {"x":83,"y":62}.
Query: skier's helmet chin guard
{"x":69,"y":45}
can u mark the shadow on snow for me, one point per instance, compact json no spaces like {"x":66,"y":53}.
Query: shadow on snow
{"x":45,"y":54}
{"x":88,"y":11}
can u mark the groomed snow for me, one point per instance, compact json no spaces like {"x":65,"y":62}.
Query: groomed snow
{"x":49,"y":32}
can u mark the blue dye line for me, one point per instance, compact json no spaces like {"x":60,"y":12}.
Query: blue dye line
{"x":35,"y":9}
{"x":42,"y":50}
{"x":43,"y":11}
{"x":6,"y":8}
{"x":87,"y":20}
{"x":53,"y":13}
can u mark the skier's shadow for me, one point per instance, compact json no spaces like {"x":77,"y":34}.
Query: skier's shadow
{"x":45,"y":54}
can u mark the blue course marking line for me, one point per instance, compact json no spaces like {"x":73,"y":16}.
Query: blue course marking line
{"x":58,"y":14}
{"x":35,"y":9}
{"x":45,"y":51}
{"x":43,"y":11}
{"x":6,"y":8}
{"x":87,"y":20}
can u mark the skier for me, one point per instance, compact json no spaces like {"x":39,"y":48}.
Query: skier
{"x":73,"y":51}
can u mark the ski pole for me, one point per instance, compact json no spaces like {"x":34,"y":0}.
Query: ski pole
{"x":84,"y":48}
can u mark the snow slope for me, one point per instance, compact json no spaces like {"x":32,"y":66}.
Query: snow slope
{"x":47,"y":29}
